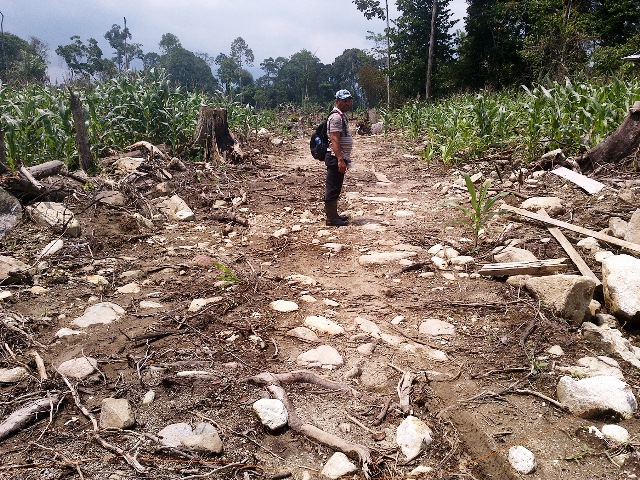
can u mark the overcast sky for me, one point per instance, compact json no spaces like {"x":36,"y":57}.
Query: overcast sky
{"x":271,"y":28}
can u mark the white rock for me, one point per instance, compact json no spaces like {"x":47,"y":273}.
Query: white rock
{"x":594,"y":367}
{"x":439,"y":262}
{"x":283,"y":306}
{"x":595,"y":396}
{"x":148,"y":397}
{"x":308,"y":298}
{"x":514,"y":254}
{"x":4,"y":294}
{"x":412,"y":436}
{"x":556,"y":351}
{"x":366,"y":349}
{"x":131,"y":288}
{"x":13,"y":375}
{"x":330,"y":303}
{"x":116,"y":413}
{"x":103,"y":312}
{"x":148,"y":304}
{"x":590,"y":244}
{"x":65,"y":332}
{"x":271,"y":412}
{"x":601,"y":255}
{"x":303,"y":333}
{"x":97,"y":280}
{"x":172,"y":435}
{"x":55,"y":216}
{"x":522,"y":460}
{"x":552,"y":205}
{"x":368,"y":326}
{"x":323,"y":325}
{"x":38,"y":290}
{"x":80,"y":367}
{"x":324,"y":356}
{"x":52,"y":248}
{"x":568,"y":296}
{"x":433,"y":327}
{"x":621,"y":286}
{"x":204,"y":438}
{"x":300,"y":280}
{"x":280,"y":232}
{"x":381,"y":258}
{"x":462,"y":260}
{"x":198,"y":304}
{"x":338,"y":466}
{"x":616,"y":434}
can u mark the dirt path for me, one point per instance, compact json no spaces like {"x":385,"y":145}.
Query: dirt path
{"x":464,"y":379}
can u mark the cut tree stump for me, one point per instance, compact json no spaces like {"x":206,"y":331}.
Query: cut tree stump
{"x":87,"y":162}
{"x":212,"y":133}
{"x":617,"y":146}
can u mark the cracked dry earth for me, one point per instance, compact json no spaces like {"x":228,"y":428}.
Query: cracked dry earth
{"x":464,"y":380}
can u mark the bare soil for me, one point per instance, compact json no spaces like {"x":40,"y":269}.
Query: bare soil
{"x":469,"y":400}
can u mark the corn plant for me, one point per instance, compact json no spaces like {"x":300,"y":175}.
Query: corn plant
{"x":478,"y":214}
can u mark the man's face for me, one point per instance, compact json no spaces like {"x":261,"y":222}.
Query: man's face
{"x":345,"y":105}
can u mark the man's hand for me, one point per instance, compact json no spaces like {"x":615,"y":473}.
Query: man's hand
{"x":342,"y":166}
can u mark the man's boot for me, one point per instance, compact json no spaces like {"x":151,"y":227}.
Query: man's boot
{"x":333,"y":219}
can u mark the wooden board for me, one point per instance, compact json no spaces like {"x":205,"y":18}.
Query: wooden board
{"x":573,"y":254}
{"x":588,"y":184}
{"x":634,"y":247}
{"x":534,"y":267}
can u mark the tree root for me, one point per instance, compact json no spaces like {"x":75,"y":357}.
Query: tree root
{"x":273,"y":382}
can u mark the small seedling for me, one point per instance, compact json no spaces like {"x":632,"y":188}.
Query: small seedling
{"x":479,"y":213}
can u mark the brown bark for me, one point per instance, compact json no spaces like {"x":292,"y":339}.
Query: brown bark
{"x":87,"y":162}
{"x":212,"y":133}
{"x":617,"y":146}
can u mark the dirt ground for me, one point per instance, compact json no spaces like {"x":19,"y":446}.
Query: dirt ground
{"x":467,"y":396}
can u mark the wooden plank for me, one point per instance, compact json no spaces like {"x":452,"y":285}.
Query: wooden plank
{"x":590,"y":185}
{"x":573,"y":254}
{"x":634,"y":247}
{"x":534,"y":267}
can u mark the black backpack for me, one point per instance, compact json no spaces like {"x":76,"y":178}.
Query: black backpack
{"x":319,"y":142}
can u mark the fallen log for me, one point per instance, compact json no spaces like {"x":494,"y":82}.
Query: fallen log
{"x":537,"y":267}
{"x":24,"y":416}
{"x":617,"y":146}
{"x":634,"y":247}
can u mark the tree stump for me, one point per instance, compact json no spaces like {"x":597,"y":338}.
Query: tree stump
{"x":617,"y":146}
{"x":212,"y":133}
{"x":87,"y":162}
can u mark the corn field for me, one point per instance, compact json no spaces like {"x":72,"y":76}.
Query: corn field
{"x":573,"y":116}
{"x":38,"y":123}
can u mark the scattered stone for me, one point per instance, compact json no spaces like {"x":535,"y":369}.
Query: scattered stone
{"x":55,"y":216}
{"x":13,"y":375}
{"x":142,"y":221}
{"x":301,"y":280}
{"x":522,"y":460}
{"x":611,"y":341}
{"x":283,"y":306}
{"x":368,"y":326}
{"x":4,"y":294}
{"x":514,"y":254}
{"x":103,"y":312}
{"x":308,"y":298}
{"x":323,"y":325}
{"x":149,"y":304}
{"x":366,"y":349}
{"x":552,"y":205}
{"x":52,"y":248}
{"x":621,"y":284}
{"x":462,"y":260}
{"x":518,"y":281}
{"x":334,"y":247}
{"x":590,"y":244}
{"x":568,"y":296}
{"x":80,"y":367}
{"x":204,"y":438}
{"x":616,"y":434}
{"x":597,"y":396}
{"x":113,"y":198}
{"x":601,"y":255}
{"x":381,"y":258}
{"x":594,"y":367}
{"x":338,"y":466}
{"x":13,"y":270}
{"x":97,"y":280}
{"x":432,"y":327}
{"x":126,"y":165}
{"x":199,"y":303}
{"x":10,"y":212}
{"x":617,"y":227}
{"x":324,"y":356}
{"x":131,"y":288}
{"x":280,"y":232}
{"x":632,"y":233}
{"x":271,"y":412}
{"x":556,"y":351}
{"x":38,"y":290}
{"x":175,"y":208}
{"x":412,"y":436}
{"x":420,"y":470}
{"x":116,"y":413}
{"x":65,"y":332}
{"x":148,"y":397}
{"x":172,"y":435}
{"x":397,"y":320}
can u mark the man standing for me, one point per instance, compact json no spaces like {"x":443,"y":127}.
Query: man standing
{"x":338,"y":157}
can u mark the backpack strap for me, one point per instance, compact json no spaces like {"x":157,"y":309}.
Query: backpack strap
{"x":344,"y":122}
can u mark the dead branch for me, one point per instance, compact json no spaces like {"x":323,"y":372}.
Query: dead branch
{"x":353,"y":449}
{"x":404,"y":391}
{"x":298,"y":376}
{"x":153,"y":150}
{"x":22,"y":417}
{"x":10,"y":323}
{"x":42,"y":370}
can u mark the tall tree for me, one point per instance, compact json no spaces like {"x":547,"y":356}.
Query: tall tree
{"x":85,"y":60}
{"x":22,"y":62}
{"x":345,"y":70}
{"x":184,"y":66}
{"x":125,"y":51}
{"x":411,"y":45}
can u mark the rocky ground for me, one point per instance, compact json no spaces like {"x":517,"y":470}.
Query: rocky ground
{"x":145,"y":341}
